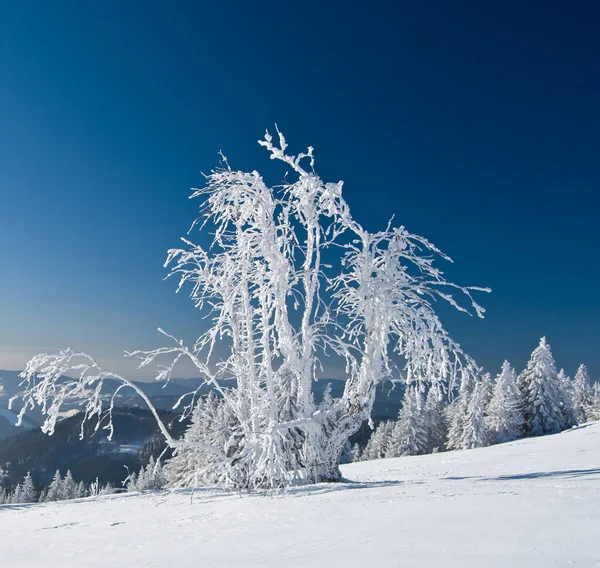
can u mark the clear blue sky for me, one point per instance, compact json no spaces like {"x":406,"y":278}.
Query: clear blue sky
{"x":476,"y":123}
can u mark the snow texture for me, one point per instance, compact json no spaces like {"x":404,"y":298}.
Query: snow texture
{"x":532,"y":503}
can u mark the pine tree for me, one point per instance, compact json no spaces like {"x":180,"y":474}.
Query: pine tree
{"x":456,"y":413}
{"x":504,"y":417}
{"x":582,"y":395}
{"x":27,"y":494}
{"x":475,"y":433}
{"x":211,"y":424}
{"x":82,"y":490}
{"x":131,"y":482}
{"x":17,"y":494}
{"x":378,"y":444}
{"x":69,"y":487}
{"x":55,"y":488}
{"x":594,"y":412}
{"x":435,"y":419}
{"x":107,"y":489}
{"x":565,"y":385}
{"x":540,"y":390}
{"x":409,"y":435}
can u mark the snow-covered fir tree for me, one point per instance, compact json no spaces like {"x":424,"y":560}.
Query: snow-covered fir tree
{"x":68,"y":488}
{"x":25,"y":492}
{"x":487,"y":385}
{"x":543,"y":399}
{"x":82,"y":490}
{"x":504,"y":416}
{"x":475,"y":433}
{"x":566,"y":397}
{"x":456,"y":413}
{"x":409,"y":436}
{"x":55,"y":489}
{"x":211,"y":425}
{"x":594,"y":412}
{"x":435,"y":418}
{"x":151,"y":477}
{"x":582,"y":395}
{"x":378,"y":445}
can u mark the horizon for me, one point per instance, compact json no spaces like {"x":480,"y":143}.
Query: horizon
{"x":475,"y":125}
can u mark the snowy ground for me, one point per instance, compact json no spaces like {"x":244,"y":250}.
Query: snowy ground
{"x":534,"y":502}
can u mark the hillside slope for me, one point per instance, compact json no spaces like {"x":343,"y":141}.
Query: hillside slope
{"x":531,"y":503}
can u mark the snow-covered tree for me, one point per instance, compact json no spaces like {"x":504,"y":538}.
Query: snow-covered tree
{"x":82,"y":490}
{"x":594,"y":412}
{"x":151,"y":477}
{"x":379,"y":443}
{"x":289,"y":278}
{"x":456,"y":413}
{"x":475,"y":433}
{"x":487,"y":385}
{"x":504,"y":418}
{"x":543,"y":398}
{"x":68,"y":488}
{"x":212,"y":425}
{"x":466,"y":415}
{"x":582,"y":395}
{"x":55,"y":489}
{"x":25,"y":492}
{"x":435,"y":418}
{"x":410,"y":435}
{"x":565,"y":385}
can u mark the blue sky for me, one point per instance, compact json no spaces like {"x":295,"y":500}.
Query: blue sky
{"x":475,"y":123}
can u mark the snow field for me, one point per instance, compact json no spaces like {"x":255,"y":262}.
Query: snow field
{"x":530,"y":503}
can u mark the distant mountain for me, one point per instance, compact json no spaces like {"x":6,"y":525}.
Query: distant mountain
{"x":388,"y":397}
{"x":8,"y":420}
{"x":135,"y":434}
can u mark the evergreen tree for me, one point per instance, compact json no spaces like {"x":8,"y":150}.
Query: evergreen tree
{"x":434,"y":419}
{"x":542,"y":396}
{"x":409,"y":436}
{"x":131,"y":482}
{"x":69,"y":487}
{"x":107,"y":489}
{"x":212,"y":424}
{"x":378,"y":444}
{"x":55,"y":488}
{"x":594,"y":413}
{"x":475,"y":433}
{"x":457,"y":412}
{"x":29,"y":493}
{"x":565,"y":385}
{"x":17,"y":494}
{"x":82,"y":490}
{"x":504,"y":417}
{"x":582,"y":395}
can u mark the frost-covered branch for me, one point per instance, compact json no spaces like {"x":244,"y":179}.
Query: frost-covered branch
{"x":289,"y":278}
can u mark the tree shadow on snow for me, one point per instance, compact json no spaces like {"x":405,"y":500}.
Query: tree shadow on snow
{"x":344,"y":485}
{"x":568,"y":473}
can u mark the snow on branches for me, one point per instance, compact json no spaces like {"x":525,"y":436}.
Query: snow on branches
{"x":289,"y":278}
